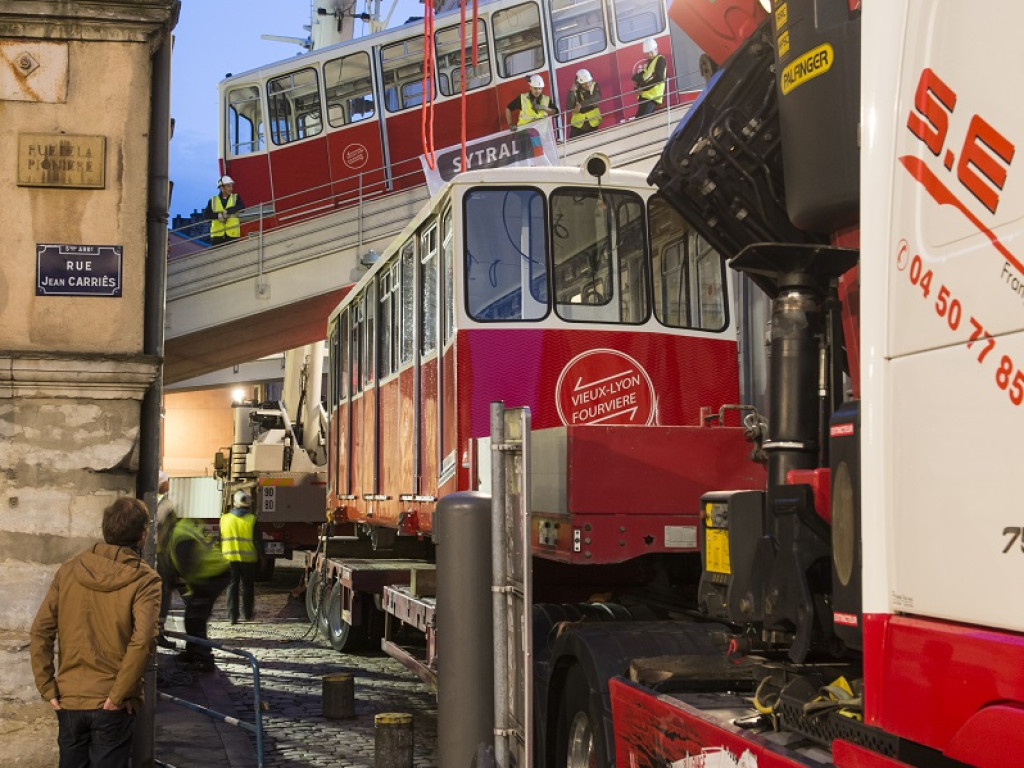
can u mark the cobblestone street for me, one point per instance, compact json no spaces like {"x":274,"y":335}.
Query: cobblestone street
{"x":293,"y":659}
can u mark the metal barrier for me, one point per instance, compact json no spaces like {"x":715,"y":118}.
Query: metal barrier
{"x":256,"y":727}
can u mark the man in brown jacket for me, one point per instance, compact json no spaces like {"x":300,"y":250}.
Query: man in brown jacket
{"x":103,"y":606}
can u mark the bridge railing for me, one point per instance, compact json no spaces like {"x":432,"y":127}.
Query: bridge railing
{"x":255,"y":727}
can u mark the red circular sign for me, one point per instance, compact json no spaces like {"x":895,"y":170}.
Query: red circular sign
{"x":604,"y":386}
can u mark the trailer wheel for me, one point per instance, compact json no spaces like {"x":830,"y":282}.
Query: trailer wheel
{"x":344,"y":637}
{"x":323,"y":618}
{"x":312,"y":595}
{"x":579,"y":741}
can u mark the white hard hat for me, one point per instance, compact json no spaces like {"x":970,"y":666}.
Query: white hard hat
{"x":650,"y":45}
{"x":536,"y":81}
{"x":228,"y":180}
{"x":241,"y":499}
{"x":583,"y":76}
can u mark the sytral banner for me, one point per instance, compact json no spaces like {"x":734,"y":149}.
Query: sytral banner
{"x":533,"y":144}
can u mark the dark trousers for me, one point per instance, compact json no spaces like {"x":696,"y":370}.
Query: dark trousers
{"x":95,"y":738}
{"x":222,"y":239}
{"x":243,"y":577}
{"x":198,"y":608}
{"x":647,"y":107}
{"x":169,"y":584}
{"x":583,"y":130}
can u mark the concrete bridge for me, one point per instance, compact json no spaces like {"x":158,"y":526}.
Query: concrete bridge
{"x":274,"y":290}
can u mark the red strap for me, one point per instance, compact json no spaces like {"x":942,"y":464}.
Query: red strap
{"x":427,"y":105}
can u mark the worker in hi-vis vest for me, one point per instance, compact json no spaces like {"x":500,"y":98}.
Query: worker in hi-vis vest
{"x":222,"y":212}
{"x":584,"y":103}
{"x":240,"y":545}
{"x":650,"y":81}
{"x":532,"y":105}
{"x":204,"y":570}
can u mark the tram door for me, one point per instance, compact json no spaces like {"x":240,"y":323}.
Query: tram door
{"x":354,"y":143}
{"x":298,"y":168}
{"x":245,"y":138}
{"x":339,"y":434}
{"x":429,"y":374}
{"x":634,"y":21}
{"x":447,"y":439}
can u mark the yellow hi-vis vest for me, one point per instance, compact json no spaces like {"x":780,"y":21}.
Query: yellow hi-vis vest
{"x":527,"y":114}
{"x":593,"y":116}
{"x":236,"y":543}
{"x":228,"y":228}
{"x":194,"y":556}
{"x":656,"y":92}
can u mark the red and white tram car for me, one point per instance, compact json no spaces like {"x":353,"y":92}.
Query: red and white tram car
{"x":322,"y":130}
{"x":589,"y":301}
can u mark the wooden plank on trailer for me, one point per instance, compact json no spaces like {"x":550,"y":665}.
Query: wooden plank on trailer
{"x":423,"y":582}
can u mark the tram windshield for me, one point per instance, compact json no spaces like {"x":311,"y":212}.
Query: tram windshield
{"x":689,"y":281}
{"x":506,"y":265}
{"x":598,"y":256}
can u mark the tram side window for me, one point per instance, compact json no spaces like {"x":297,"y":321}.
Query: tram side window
{"x":428,"y":338}
{"x":689,"y":275}
{"x":506,"y":254}
{"x":518,"y":41}
{"x":384,"y":337}
{"x":408,"y":300}
{"x":449,"y":60}
{"x":245,"y":121}
{"x":356,"y":345}
{"x":402,"y":68}
{"x":342,"y":366}
{"x":390,"y":320}
{"x":294,"y":106}
{"x":448,"y":275}
{"x":349,"y":89}
{"x":578,"y":28}
{"x":369,"y":329}
{"x":332,"y":369}
{"x":637,"y":19}
{"x":598,"y":256}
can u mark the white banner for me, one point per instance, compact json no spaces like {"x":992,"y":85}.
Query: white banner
{"x":533,"y":144}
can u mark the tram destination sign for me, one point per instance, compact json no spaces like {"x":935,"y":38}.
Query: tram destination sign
{"x":78,"y":270}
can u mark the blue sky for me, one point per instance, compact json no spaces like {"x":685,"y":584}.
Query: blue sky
{"x":212,"y":39}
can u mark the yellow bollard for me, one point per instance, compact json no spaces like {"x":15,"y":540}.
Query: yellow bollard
{"x":338,"y":699}
{"x":393,"y":740}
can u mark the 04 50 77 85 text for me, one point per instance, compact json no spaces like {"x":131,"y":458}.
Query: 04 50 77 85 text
{"x":1008,"y":377}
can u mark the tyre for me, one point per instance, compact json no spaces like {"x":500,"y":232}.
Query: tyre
{"x":312,"y":595}
{"x":322,"y":623}
{"x":579,"y":732}
{"x":343,"y":637}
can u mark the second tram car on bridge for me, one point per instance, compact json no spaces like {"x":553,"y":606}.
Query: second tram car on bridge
{"x":322,"y":130}
{"x":589,"y":300}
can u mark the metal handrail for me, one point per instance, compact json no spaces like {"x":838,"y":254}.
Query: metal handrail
{"x":328,"y":201}
{"x":257,"y":726}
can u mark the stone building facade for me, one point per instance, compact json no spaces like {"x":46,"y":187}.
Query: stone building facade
{"x":80,"y":293}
